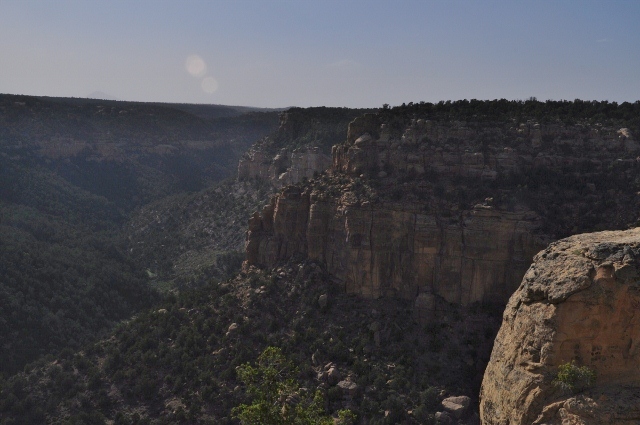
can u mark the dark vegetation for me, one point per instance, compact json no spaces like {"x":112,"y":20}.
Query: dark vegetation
{"x":72,"y":171}
{"x":200,"y":110}
{"x":130,"y":153}
{"x":64,"y":275}
{"x":187,"y":239}
{"x":501,"y":110}
{"x":177,"y":363}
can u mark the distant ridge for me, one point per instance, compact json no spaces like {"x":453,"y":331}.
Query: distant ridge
{"x":202,"y":110}
{"x":101,"y":95}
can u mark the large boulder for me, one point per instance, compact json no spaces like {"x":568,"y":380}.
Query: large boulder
{"x":457,"y":406}
{"x":578,"y":302}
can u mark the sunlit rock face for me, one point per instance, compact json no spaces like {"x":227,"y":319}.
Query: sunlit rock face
{"x":397,"y":249}
{"x":577,"y":302}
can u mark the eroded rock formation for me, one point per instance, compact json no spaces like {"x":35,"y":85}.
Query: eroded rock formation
{"x":481,"y":150}
{"x":284,"y":168}
{"x":434,"y":211}
{"x":579,"y":302}
{"x":398,"y":249}
{"x":301,"y":147}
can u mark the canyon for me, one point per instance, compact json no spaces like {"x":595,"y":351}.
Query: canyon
{"x":380,"y":267}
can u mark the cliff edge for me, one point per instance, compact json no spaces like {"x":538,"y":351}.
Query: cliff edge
{"x":439,"y":212}
{"x":577,"y":302}
{"x":300,"y":148}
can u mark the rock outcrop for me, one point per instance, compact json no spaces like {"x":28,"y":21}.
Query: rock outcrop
{"x":301,"y":147}
{"x":448,"y":211}
{"x":398,"y":249}
{"x":578,"y":302}
{"x":482,"y":151}
{"x":284,"y":168}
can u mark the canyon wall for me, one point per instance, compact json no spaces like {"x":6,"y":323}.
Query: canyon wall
{"x":486,"y":151}
{"x":300,"y":149}
{"x":448,"y":211}
{"x":577,"y":302}
{"x":398,"y":250}
{"x":284,"y":168}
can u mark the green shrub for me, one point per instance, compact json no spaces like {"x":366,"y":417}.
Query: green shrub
{"x":572,"y":378}
{"x":271,"y":384}
{"x":346,"y":417}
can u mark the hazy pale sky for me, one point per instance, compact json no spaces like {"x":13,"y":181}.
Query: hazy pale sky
{"x":321,"y":52}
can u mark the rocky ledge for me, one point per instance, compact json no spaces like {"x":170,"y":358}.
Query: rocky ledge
{"x":578,"y":302}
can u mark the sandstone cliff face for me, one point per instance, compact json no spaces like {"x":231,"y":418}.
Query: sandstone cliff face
{"x":286,"y":167}
{"x":578,"y":301}
{"x":398,"y":249}
{"x":427,"y":228}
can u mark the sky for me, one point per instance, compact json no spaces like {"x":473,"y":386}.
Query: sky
{"x":353,"y":53}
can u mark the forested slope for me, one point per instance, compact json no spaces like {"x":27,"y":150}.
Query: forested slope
{"x":71,"y":173}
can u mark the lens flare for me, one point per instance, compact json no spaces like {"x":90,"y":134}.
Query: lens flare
{"x":209,"y":85}
{"x":195,"y":66}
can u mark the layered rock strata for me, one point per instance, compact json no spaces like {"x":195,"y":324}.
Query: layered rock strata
{"x":483,"y":151}
{"x":432,"y":235}
{"x":284,"y":168}
{"x":398,"y":249}
{"x":578,"y":302}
